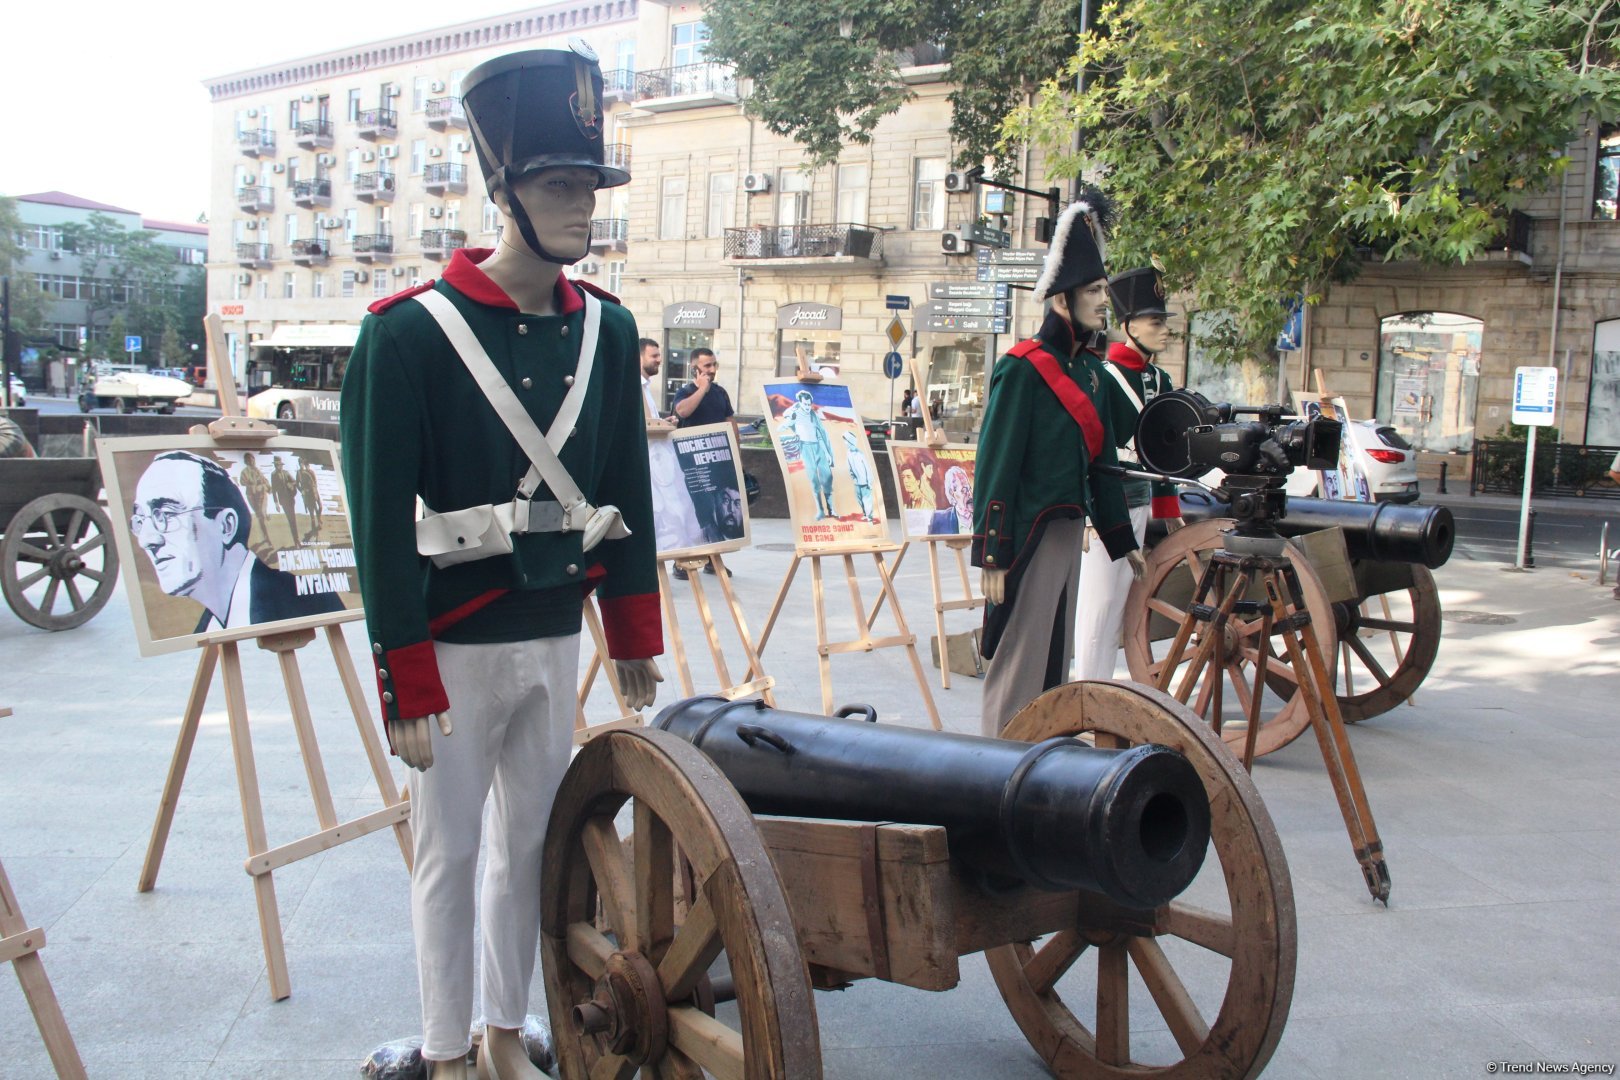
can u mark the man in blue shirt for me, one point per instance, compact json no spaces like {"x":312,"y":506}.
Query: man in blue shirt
{"x":702,"y":401}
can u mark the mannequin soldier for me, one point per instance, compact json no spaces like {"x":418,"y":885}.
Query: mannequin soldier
{"x":1034,"y":484}
{"x":1133,"y":381}
{"x":496,"y":640}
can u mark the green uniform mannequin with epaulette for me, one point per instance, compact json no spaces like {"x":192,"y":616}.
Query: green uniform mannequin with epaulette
{"x":1034,"y":482}
{"x":492,"y":633}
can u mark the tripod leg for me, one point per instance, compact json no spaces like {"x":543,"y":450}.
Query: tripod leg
{"x":1206,"y":585}
{"x":1210,"y":646}
{"x":1323,"y":708}
{"x":1251,"y":736}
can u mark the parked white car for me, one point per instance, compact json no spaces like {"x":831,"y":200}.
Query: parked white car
{"x":1386,"y":459}
{"x":19,"y":395}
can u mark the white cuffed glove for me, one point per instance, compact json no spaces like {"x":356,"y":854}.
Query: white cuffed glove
{"x":413,"y":739}
{"x":993,"y":583}
{"x":638,"y":681}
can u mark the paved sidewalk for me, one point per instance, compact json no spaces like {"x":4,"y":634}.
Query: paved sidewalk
{"x":1495,"y":794}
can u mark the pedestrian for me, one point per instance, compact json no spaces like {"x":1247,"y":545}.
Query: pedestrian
{"x":652,"y":362}
{"x":905,"y":403}
{"x":1034,"y":486}
{"x":285,"y":490}
{"x":257,"y":489}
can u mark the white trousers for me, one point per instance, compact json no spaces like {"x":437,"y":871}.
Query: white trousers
{"x":1104,"y":584}
{"x":512,"y":708}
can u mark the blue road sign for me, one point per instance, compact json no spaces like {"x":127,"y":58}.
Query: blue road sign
{"x":132,"y":343}
{"x":1293,"y":329}
{"x":897,"y":303}
{"x":893,"y":365}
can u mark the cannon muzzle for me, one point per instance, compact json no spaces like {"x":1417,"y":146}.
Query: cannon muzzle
{"x":1382,"y":532}
{"x":1130,"y":824}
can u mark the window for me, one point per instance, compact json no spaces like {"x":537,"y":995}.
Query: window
{"x":854,"y":182}
{"x":413,"y":276}
{"x":292,"y":171}
{"x":379,"y":283}
{"x":292,"y":115}
{"x":354,"y":105}
{"x":289,"y":286}
{"x":1428,"y":377}
{"x":194,"y":256}
{"x":351,"y":223}
{"x":928,"y":195}
{"x":346,"y":285}
{"x":624,"y":56}
{"x":1606,"y":193}
{"x":615,"y":276}
{"x":452,"y":214}
{"x":722,"y":203}
{"x":454,"y":85}
{"x":264,"y":287}
{"x":419,"y":93}
{"x":492,"y":216}
{"x":239,"y":287}
{"x":415,"y":221}
{"x":317,"y":286}
{"x":352,"y":165}
{"x":672,"y":209}
{"x":43,"y":237}
{"x":385,"y":220}
{"x":792,"y":197}
{"x":688,"y":42}
{"x":292,"y":228}
{"x":418,"y":156}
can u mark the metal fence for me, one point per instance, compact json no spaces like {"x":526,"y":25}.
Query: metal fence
{"x":803,"y":241}
{"x":1561,"y":469}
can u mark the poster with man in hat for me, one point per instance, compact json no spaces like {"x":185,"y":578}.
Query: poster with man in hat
{"x":1034,"y":484}
{"x":492,"y":635}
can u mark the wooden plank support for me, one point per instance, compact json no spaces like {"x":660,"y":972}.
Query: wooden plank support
{"x":326,"y":839}
{"x":23,"y":943}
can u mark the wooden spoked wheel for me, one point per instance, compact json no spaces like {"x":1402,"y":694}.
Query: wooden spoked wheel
{"x":627,"y":1000}
{"x":1155,"y":609}
{"x":1215,"y":967}
{"x":1388,"y":640}
{"x":58,"y":566}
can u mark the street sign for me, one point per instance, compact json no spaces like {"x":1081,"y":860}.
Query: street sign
{"x":962,"y":324}
{"x":1293,"y":329}
{"x":893,"y":365}
{"x":966,"y":290}
{"x":897,"y":303}
{"x":992,"y":272}
{"x":1009,"y":256}
{"x":999,"y":308}
{"x":896,"y":332}
{"x":1535,"y":389}
{"x":994,"y":238}
{"x":132,"y":343}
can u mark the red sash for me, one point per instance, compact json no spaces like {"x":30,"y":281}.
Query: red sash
{"x":1074,"y":400}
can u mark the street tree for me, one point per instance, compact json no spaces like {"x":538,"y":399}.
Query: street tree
{"x":28,"y":301}
{"x":1263,"y":151}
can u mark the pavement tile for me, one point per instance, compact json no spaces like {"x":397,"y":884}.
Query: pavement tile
{"x":1417,"y":1042}
{"x":1568,"y":1031}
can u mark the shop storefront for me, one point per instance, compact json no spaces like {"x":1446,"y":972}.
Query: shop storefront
{"x":688,"y":325}
{"x":811,"y":333}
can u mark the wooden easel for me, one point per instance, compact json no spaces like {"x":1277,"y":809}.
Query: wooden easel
{"x":221,"y":650}
{"x":584,"y":731}
{"x":20,"y":945}
{"x":970,"y":600}
{"x":865,"y":642}
{"x":694,"y":566}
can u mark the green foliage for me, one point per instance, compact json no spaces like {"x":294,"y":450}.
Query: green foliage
{"x":1263,"y":150}
{"x":154,"y":295}
{"x":827,"y":91}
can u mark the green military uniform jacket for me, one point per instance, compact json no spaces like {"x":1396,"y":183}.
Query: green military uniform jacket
{"x":1033,"y":466}
{"x":414,"y":424}
{"x":1148,"y":382}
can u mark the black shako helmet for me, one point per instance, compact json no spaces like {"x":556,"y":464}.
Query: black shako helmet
{"x":535,"y":110}
{"x":1075,"y":255}
{"x":1136,"y":293}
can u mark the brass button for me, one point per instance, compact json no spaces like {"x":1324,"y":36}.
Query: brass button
{"x":523,"y":328}
{"x":565,"y":331}
{"x":376,"y":647}
{"x":992,"y":532}
{"x":572,"y":569}
{"x":568,"y":380}
{"x":527,"y":382}
{"x":381,"y":674}
{"x":388,"y":699}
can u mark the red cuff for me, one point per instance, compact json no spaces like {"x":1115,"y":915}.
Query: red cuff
{"x":1166,"y":506}
{"x":410,"y":684}
{"x":634,"y":626}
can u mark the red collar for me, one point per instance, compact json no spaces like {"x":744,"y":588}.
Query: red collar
{"x":463,"y":273}
{"x":1127,"y":357}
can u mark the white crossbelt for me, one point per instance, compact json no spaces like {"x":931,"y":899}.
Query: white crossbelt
{"x":1126,"y":453}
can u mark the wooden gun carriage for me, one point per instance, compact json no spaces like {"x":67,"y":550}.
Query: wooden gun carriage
{"x":666,"y":895}
{"x":58,"y":565}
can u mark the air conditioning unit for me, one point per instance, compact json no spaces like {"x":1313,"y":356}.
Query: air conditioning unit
{"x":436,"y":86}
{"x":325,"y":159}
{"x":368,"y":155}
{"x":308,"y":98}
{"x":278,"y":167}
{"x":56,"y":255}
{"x":244,"y":279}
{"x":252,"y":226}
{"x":434,"y":151}
{"x":253,"y":114}
{"x":399,"y":271}
{"x":249,"y":181}
{"x":954,"y":243}
{"x":435,"y":211}
{"x":463,"y":145}
{"x":393,"y":91}
{"x":756,"y":183}
{"x":332,"y":223}
{"x":966,"y":180}
{"x":388,"y":151}
{"x":590,"y":266}
{"x":362,"y":276}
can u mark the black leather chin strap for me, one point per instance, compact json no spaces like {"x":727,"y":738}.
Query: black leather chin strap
{"x":525,"y":226}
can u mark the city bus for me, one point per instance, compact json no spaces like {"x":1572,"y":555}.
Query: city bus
{"x":296,"y":373}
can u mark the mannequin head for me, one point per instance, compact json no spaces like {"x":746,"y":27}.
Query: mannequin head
{"x":559,"y":201}
{"x":1149,"y":333}
{"x":1085,"y":306}
{"x":1139,"y":309}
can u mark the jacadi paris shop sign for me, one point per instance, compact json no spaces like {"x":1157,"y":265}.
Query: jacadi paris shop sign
{"x":692,"y":315}
{"x":809,"y":317}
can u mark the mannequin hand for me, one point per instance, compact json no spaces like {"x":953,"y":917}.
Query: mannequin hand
{"x":638,"y":681}
{"x":1138,"y":564}
{"x":1172,"y":524}
{"x":413,"y":739}
{"x":993,"y":583}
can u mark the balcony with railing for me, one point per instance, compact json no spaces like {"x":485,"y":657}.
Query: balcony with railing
{"x":618,"y":84}
{"x":372,"y":247}
{"x":314,"y":134}
{"x":617,"y":155}
{"x":312,"y":193}
{"x":255,"y":256}
{"x":445,"y":112}
{"x":804,"y":245}
{"x":311,"y":252}
{"x":923,"y":63}
{"x":610,"y":234}
{"x":256,"y":142}
{"x":255,"y":199}
{"x":377,"y":123}
{"x":689,"y":86}
{"x":445,"y":179}
{"x":374,"y":187}
{"x":437,"y":243}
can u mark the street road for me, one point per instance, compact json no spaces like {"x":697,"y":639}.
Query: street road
{"x":57,"y":406}
{"x":1564,"y":539}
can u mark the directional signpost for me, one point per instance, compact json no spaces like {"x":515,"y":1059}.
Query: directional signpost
{"x":964,"y":316}
{"x":1022,"y":265}
{"x":1535,"y":392}
{"x":132,"y":343}
{"x":968,"y":290}
{"x":896,"y":333}
{"x":893,"y":364}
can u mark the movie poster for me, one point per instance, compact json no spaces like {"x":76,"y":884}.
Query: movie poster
{"x":935,"y":489}
{"x":827,"y":466}
{"x":697,"y":488}
{"x":1348,"y":481}
{"x":218,"y":539}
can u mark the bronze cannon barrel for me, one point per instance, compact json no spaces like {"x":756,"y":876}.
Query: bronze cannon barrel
{"x":1382,"y":532}
{"x":1131,"y":824}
